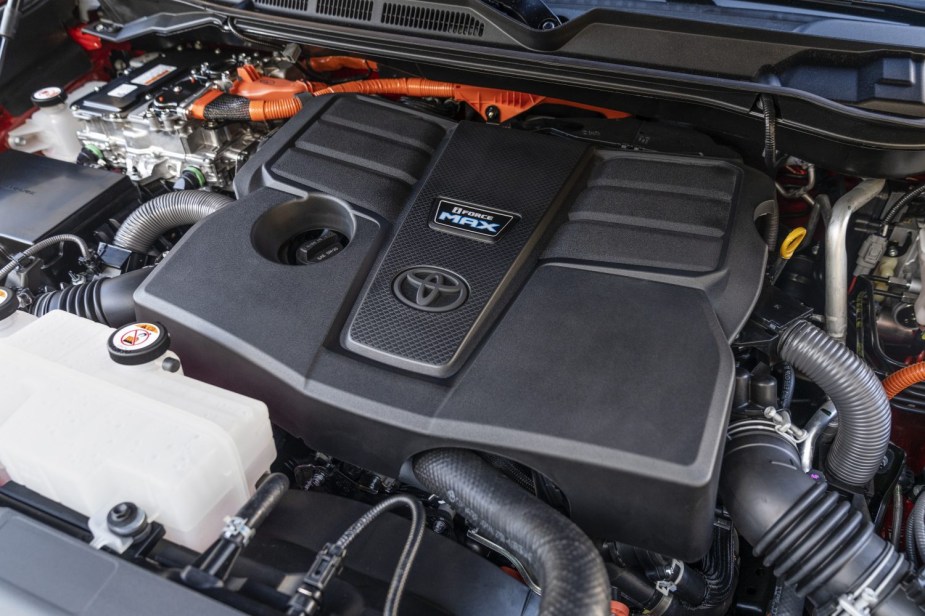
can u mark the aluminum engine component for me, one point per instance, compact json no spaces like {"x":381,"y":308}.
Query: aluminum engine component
{"x":138,"y":123}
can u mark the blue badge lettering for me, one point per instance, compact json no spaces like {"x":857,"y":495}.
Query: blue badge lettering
{"x":470,"y":220}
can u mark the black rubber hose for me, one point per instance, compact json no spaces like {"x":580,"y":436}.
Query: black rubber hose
{"x":165,"y":212}
{"x":215,"y":563}
{"x":772,"y":227}
{"x":267,"y":496}
{"x":787,"y":385}
{"x":567,"y":565}
{"x":716,"y":576}
{"x":863,"y":408}
{"x":918,"y":526}
{"x":786,"y":602}
{"x":911,"y":551}
{"x":48,"y":242}
{"x":409,"y":551}
{"x":896,"y":528}
{"x":106,"y":300}
{"x":811,"y":539}
{"x":308,"y":598}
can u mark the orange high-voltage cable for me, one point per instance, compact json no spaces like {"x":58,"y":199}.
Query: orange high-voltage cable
{"x":259,"y":98}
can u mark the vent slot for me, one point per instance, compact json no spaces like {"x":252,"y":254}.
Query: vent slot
{"x":294,"y":6}
{"x":431,"y":19}
{"x":357,"y":10}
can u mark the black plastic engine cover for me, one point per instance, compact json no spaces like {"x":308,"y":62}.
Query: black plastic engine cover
{"x":575,"y":316}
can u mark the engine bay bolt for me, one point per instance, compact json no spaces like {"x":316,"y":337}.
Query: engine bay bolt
{"x":492,"y":113}
{"x":892,"y":250}
{"x":439,"y":526}
{"x":548,"y":24}
{"x":126,"y":520}
{"x":171,"y":364}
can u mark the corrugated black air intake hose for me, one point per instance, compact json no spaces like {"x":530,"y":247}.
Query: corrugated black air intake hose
{"x":863,"y":408}
{"x":810,"y":538}
{"x":566,"y":563}
{"x":165,"y":212}
{"x":106,"y":300}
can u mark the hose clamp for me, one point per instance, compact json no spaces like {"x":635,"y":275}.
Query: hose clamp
{"x":755,"y":427}
{"x":670,"y":585}
{"x":525,"y":574}
{"x":784,"y":425}
{"x":865,"y":597}
{"x":237,"y":530}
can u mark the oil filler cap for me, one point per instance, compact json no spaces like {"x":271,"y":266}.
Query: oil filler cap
{"x":9,"y":304}
{"x":138,"y":343}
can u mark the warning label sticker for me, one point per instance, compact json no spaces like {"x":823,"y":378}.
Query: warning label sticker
{"x":136,"y":337}
{"x":153,"y":75}
{"x":124,"y":90}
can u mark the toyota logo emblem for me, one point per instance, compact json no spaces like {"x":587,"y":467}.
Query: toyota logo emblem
{"x":430,"y":289}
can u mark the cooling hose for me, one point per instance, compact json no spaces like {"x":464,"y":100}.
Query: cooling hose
{"x":165,"y":212}
{"x":716,"y":575}
{"x":863,"y":407}
{"x":809,"y":537}
{"x":106,"y":300}
{"x":212,"y":567}
{"x":566,"y":563}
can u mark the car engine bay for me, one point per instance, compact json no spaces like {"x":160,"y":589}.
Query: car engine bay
{"x":265,"y":306}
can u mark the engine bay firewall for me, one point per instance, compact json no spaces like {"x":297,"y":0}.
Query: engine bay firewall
{"x":391,"y":282}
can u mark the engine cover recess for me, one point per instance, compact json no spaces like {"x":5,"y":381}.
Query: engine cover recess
{"x":470,"y":285}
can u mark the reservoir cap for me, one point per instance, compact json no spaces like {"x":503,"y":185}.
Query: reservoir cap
{"x":138,"y":343}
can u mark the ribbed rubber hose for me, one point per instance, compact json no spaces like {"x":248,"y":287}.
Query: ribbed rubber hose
{"x":809,"y":537}
{"x":165,"y":212}
{"x":903,"y":379}
{"x":918,"y":526}
{"x":48,"y":242}
{"x":105,"y":300}
{"x":568,"y":566}
{"x":863,"y":407}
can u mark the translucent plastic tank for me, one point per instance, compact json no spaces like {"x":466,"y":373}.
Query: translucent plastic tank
{"x":52,"y":129}
{"x":80,"y":429}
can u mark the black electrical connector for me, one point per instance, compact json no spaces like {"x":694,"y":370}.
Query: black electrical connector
{"x":327,"y":566}
{"x":308,"y":597}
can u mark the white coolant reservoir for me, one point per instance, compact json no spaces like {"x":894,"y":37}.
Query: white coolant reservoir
{"x":52,"y":130}
{"x":11,"y":318}
{"x":81,"y":429}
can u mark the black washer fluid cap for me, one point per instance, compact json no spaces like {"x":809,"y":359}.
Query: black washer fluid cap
{"x":138,"y":343}
{"x":49,"y":97}
{"x":9,"y":304}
